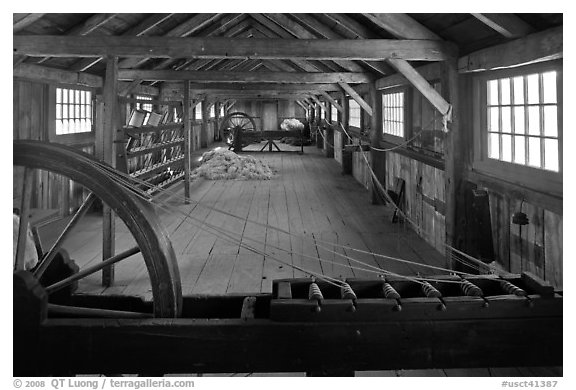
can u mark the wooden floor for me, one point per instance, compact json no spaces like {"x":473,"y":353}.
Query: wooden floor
{"x":308,"y":197}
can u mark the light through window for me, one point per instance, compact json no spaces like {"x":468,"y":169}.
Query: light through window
{"x":73,"y":111}
{"x":198,"y":112}
{"x":522,"y":120}
{"x":353,"y":113}
{"x":333,"y":114}
{"x":393,"y":113}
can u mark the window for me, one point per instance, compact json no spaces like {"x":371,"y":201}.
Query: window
{"x":212,"y":111}
{"x":221,"y":111}
{"x":393,"y":113}
{"x":73,"y":111}
{"x":198,"y":112}
{"x":431,"y":138}
{"x":353,"y":113}
{"x":522,"y":120}
{"x":144,"y":106}
{"x":333,"y":114}
{"x":322,"y":113}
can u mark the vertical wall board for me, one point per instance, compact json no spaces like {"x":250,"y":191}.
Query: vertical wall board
{"x":553,"y":248}
{"x":517,"y":252}
{"x":535,"y":240}
{"x":440,"y":232}
{"x":428,"y":225}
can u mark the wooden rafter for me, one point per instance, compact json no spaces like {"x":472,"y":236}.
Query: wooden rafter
{"x":190,"y":26}
{"x":332,"y":101}
{"x":315,"y":99}
{"x":508,"y":25}
{"x":326,"y":32}
{"x":403,"y":26}
{"x":354,"y":95}
{"x":129,"y":88}
{"x":26,"y":20}
{"x":245,"y":77}
{"x":264,"y":87}
{"x":170,"y":47}
{"x":542,"y":46}
{"x":140,"y":29}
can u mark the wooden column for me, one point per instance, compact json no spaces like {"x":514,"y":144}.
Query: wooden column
{"x":186,"y":122}
{"x":344,"y":119}
{"x":455,"y":160}
{"x":204,"y":128}
{"x":216,"y":118}
{"x":378,"y":159}
{"x":108,"y":134}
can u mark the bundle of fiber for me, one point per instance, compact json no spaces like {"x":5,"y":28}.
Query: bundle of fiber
{"x":226,"y":165}
{"x":291,"y":124}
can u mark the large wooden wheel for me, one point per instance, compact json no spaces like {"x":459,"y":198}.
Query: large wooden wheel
{"x":151,"y":238}
{"x":236,"y":122}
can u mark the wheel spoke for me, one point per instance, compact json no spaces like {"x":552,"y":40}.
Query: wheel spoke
{"x":24,"y":217}
{"x":90,"y":270}
{"x":94,"y":312}
{"x":47,"y":259}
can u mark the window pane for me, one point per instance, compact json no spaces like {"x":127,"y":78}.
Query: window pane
{"x":518,"y":90}
{"x":519,"y":120}
{"x":533,"y":89}
{"x":549,"y":83}
{"x":65,"y":111}
{"x":506,"y":119}
{"x":507,"y":147}
{"x":64,"y":96}
{"x":58,"y":127}
{"x":550,"y":121}
{"x":520,"y":150}
{"x":534,"y":152}
{"x":58,"y":111}
{"x":58,"y":95}
{"x":492,"y":92}
{"x":494,"y":119}
{"x":77,"y":96}
{"x":534,"y":120}
{"x":551,"y":154}
{"x":505,"y":91}
{"x":494,"y":146}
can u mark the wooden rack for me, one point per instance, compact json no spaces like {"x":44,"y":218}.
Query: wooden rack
{"x":158,"y":154}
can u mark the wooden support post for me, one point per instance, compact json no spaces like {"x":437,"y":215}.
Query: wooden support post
{"x":216,"y":120}
{"x":109,"y":130}
{"x":344,"y":115}
{"x":27,"y":188}
{"x":204,"y":126}
{"x":455,"y":160}
{"x":186,"y":122}
{"x":378,"y":159}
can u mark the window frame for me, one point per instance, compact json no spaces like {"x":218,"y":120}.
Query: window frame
{"x":360,"y":125}
{"x":82,"y":138}
{"x":534,"y":178}
{"x":391,"y":138}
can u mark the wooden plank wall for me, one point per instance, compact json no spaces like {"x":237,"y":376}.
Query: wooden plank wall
{"x":30,"y":123}
{"x":360,"y":170}
{"x":536,"y":247}
{"x":424,"y":194}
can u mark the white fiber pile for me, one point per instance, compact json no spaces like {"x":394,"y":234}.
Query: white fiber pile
{"x":291,"y":124}
{"x":226,"y":165}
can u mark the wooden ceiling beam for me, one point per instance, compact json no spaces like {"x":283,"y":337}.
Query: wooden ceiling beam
{"x":138,"y":30}
{"x":129,"y":88}
{"x":218,"y":28}
{"x":171,"y":47}
{"x":87,"y":27}
{"x":56,"y":76}
{"x":301,"y":105}
{"x":189,"y":27}
{"x":245,"y":77}
{"x":354,"y":95}
{"x":263,"y":24}
{"x":352,"y":26}
{"x":24,"y":20}
{"x":266,"y":87}
{"x":326,"y":32}
{"x":402,"y":26}
{"x":301,"y":33}
{"x":542,"y":46}
{"x":508,"y":25}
